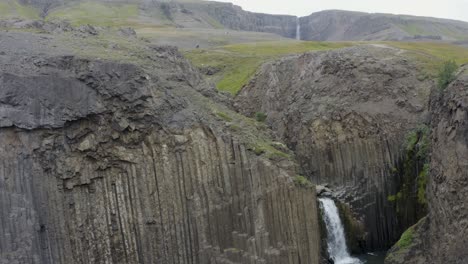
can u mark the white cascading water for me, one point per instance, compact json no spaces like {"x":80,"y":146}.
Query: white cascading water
{"x":298,"y":29}
{"x":336,"y":240}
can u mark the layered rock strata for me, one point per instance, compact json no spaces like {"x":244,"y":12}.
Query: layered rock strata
{"x":113,"y":162}
{"x":346,"y":114}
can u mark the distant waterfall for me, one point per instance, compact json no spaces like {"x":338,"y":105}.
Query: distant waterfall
{"x":336,"y":240}
{"x":298,"y":29}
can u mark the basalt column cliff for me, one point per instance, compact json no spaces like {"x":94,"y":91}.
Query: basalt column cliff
{"x":110,"y":162}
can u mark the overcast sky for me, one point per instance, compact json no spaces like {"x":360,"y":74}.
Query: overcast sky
{"x":454,"y":9}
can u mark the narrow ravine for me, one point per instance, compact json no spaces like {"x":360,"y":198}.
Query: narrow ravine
{"x":336,"y":241}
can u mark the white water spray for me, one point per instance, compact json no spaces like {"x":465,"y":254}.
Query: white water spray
{"x":298,"y":29}
{"x":336,"y":240}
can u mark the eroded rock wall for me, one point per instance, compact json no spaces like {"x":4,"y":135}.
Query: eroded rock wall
{"x":448,"y":182}
{"x":189,"y":198}
{"x":346,"y":114}
{"x":107,"y":162}
{"x":234,"y":17}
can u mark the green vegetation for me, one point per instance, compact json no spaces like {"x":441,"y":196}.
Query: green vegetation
{"x":418,"y":141}
{"x":413,"y":29}
{"x":396,"y":197}
{"x":302,"y":181}
{"x":422,"y":183}
{"x":433,"y":56}
{"x":13,"y":9}
{"x":416,"y":166}
{"x":238,"y":63}
{"x":406,"y":238}
{"x":446,"y":74}
{"x":411,"y":196}
{"x":95,"y":13}
{"x":268,"y":148}
{"x":260,"y":117}
{"x":224,"y":116}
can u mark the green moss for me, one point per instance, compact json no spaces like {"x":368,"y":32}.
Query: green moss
{"x":260,"y":117}
{"x":446,"y":74}
{"x":417,"y":141}
{"x":269,"y":149}
{"x":235,"y":127}
{"x":397,"y":197}
{"x":302,"y":181}
{"x":224,"y":116}
{"x":422,"y":183}
{"x":406,"y":238}
{"x":278,"y":155}
{"x":410,"y":200}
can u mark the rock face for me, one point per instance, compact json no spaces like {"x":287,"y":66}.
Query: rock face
{"x":330,"y":25}
{"x":346,"y":113}
{"x":111,"y":162}
{"x":448,"y":182}
{"x":441,"y":237}
{"x":336,"y":25}
{"x":412,"y":247}
{"x":233,"y":17}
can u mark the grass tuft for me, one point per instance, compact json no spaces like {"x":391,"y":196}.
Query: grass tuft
{"x":302,"y":181}
{"x":406,"y":238}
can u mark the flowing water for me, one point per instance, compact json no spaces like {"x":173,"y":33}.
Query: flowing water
{"x":298,"y":30}
{"x":336,"y":240}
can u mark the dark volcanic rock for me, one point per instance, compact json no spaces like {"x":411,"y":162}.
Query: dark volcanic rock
{"x":112,"y":162}
{"x":448,"y":182}
{"x":346,"y":114}
{"x":412,"y":249}
{"x":44,"y":100}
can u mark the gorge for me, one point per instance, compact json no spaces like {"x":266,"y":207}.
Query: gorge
{"x":118,"y":148}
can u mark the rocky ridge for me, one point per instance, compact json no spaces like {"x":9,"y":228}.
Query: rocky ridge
{"x":441,"y":236}
{"x":448,"y":186}
{"x":329,"y":25}
{"x":105,"y":161}
{"x":346,"y":114}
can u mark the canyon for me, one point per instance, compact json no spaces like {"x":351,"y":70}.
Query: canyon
{"x":117,"y":149}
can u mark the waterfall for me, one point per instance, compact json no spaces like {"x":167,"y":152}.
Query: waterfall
{"x":336,"y":240}
{"x":298,"y":29}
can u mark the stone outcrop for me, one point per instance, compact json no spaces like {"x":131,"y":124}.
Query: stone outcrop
{"x":442,"y":236}
{"x":346,"y":114}
{"x":412,"y":247}
{"x":448,"y":182}
{"x":111,"y":162}
{"x":234,"y":17}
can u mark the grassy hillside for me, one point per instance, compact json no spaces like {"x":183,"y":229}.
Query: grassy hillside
{"x":12,"y":9}
{"x":433,"y":55}
{"x":234,"y":65}
{"x":97,"y":14}
{"x":432,"y":28}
